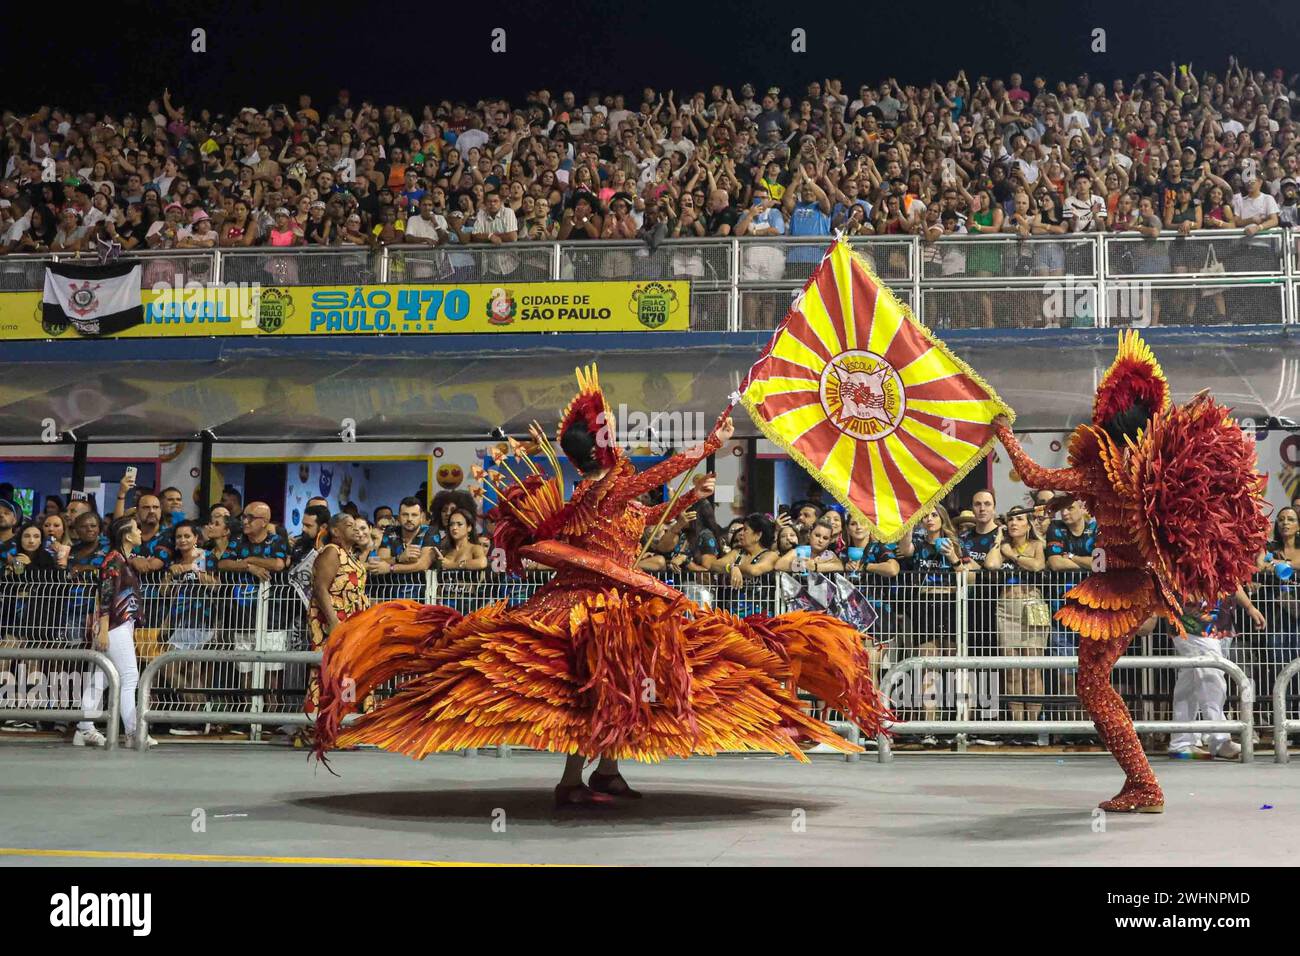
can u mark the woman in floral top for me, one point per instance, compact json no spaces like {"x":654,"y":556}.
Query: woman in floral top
{"x":338,"y":581}
{"x":338,"y":589}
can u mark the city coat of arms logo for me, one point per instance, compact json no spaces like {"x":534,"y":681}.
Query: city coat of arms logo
{"x":653,"y":303}
{"x":501,"y":307}
{"x":272,"y":308}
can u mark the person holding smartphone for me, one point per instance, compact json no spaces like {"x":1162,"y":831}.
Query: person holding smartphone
{"x":124,"y":488}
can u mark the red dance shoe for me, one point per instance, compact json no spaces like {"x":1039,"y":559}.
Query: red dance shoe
{"x":612,"y":785}
{"x":580,"y":795}
{"x":1142,"y":799}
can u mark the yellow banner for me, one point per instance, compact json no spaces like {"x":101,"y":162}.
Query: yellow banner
{"x":217,"y":309}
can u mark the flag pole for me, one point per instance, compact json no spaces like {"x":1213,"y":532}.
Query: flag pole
{"x":654,"y":533}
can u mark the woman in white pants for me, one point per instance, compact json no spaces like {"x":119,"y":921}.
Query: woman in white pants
{"x":1205,"y":689}
{"x":119,"y":609}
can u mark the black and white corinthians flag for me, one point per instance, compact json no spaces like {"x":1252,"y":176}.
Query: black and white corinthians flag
{"x":94,"y":300}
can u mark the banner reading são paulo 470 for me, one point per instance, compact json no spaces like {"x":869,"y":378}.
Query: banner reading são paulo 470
{"x":213,"y":309}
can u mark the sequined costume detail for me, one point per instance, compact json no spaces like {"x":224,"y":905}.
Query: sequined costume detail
{"x":1179,"y":510}
{"x":603,"y":659}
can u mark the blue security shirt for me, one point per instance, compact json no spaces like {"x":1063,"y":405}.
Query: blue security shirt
{"x":424,"y":537}
{"x":808,"y":220}
{"x":927,"y":557}
{"x":770,"y":217}
{"x":878,"y":552}
{"x":190,"y":607}
{"x":159,"y":546}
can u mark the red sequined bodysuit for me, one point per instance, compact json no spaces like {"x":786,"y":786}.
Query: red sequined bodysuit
{"x":1178,"y":504}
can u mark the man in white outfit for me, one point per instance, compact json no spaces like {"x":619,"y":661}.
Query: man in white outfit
{"x":1205,"y":689}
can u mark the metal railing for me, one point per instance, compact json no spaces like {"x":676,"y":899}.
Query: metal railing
{"x":1245,"y":726}
{"x":111,"y":713}
{"x":215,"y":652}
{"x":146,"y":713}
{"x":1283,"y":725}
{"x":1084,"y":280}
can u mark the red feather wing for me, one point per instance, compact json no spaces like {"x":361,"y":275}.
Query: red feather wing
{"x":1202,"y":519}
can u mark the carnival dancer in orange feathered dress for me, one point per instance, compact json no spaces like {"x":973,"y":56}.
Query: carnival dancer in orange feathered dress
{"x":1179,"y":509}
{"x":603,"y":661}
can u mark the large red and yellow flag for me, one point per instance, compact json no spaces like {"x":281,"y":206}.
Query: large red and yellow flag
{"x":867,"y":400}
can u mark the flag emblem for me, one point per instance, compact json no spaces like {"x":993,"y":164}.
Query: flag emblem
{"x":82,"y":299}
{"x":862,"y":395}
{"x":867,"y":400}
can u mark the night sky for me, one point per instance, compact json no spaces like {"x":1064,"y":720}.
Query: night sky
{"x":259,"y":53}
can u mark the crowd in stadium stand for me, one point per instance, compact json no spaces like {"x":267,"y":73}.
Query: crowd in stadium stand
{"x":1171,"y":151}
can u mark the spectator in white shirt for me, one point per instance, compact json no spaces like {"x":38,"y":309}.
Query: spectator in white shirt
{"x":1072,"y":117}
{"x":496,"y":224}
{"x":71,"y":235}
{"x":21,"y":210}
{"x":426,"y":229}
{"x":618,"y":115}
{"x":675,"y":142}
{"x":1256,"y":209}
{"x":472,"y":137}
{"x":344,"y":167}
{"x":1083,"y":211}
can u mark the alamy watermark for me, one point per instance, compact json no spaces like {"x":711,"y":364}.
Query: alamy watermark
{"x":1069,"y":303}
{"x":37,"y":689}
{"x":181,"y":300}
{"x":75,"y":908}
{"x":658,"y":431}
{"x":936,"y":689}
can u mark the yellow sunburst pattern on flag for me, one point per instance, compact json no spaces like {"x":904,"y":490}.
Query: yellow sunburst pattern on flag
{"x":867,"y":400}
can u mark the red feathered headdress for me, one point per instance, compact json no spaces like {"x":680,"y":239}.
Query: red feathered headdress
{"x":590,"y":408}
{"x":1135,"y":376}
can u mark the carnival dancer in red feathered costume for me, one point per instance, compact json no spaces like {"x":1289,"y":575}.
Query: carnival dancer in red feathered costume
{"x":1179,"y":509}
{"x":603,"y":661}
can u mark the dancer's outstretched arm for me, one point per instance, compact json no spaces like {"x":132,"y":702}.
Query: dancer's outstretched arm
{"x":668,"y":469}
{"x":1031,"y":473}
{"x":703,"y":487}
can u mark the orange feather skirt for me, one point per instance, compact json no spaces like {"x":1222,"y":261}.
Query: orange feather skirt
{"x":624,"y":675}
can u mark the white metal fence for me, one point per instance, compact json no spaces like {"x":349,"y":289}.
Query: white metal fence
{"x":988,"y":281}
{"x":916,"y":615}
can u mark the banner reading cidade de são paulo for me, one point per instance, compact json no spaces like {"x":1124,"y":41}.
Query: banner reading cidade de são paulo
{"x":204,"y":309}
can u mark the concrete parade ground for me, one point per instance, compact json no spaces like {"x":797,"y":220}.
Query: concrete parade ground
{"x":196,"y":804}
